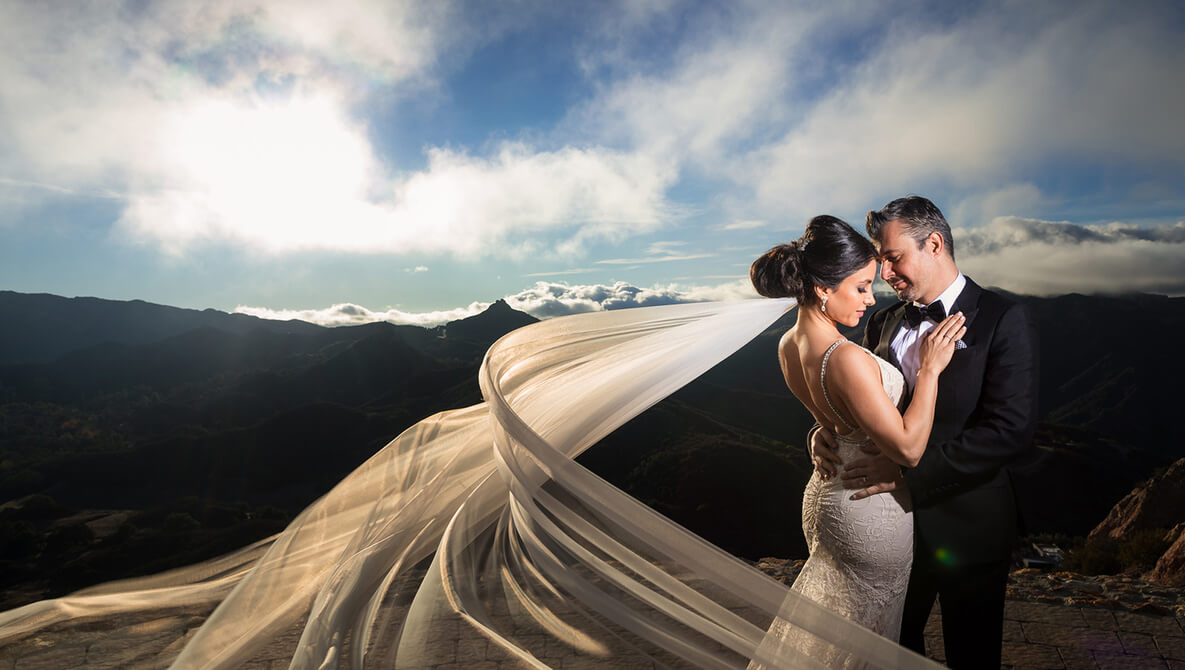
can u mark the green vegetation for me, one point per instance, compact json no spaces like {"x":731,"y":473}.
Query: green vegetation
{"x":1108,"y":556}
{"x":50,"y":550}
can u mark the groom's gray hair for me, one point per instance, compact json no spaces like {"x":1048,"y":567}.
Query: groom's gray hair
{"x":918,"y":216}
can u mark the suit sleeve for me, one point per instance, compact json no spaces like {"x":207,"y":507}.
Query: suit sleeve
{"x":1001,"y":429}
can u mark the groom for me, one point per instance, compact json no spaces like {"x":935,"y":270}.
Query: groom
{"x":964,"y":510}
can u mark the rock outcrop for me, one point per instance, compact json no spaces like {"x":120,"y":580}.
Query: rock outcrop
{"x":1158,"y":503}
{"x":1170,"y":569}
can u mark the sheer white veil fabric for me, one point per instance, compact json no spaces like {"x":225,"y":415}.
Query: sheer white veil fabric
{"x":476,"y":527}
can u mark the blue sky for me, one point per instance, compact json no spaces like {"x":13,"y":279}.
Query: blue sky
{"x":414,"y":162}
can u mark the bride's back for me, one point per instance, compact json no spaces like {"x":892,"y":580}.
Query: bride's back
{"x":801,"y":357}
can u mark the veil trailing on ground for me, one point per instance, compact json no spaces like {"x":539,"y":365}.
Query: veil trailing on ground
{"x":474,"y":537}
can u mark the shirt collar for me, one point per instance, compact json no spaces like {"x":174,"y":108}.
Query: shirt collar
{"x":947,"y":297}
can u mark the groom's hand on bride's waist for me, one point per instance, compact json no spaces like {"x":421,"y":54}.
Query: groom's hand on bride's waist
{"x":822,"y":448}
{"x":871,"y":475}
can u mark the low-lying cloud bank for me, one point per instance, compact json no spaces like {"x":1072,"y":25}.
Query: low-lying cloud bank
{"x":349,"y":314}
{"x":1027,"y":256}
{"x":1035,"y":257}
{"x":544,"y":300}
{"x":549,"y":299}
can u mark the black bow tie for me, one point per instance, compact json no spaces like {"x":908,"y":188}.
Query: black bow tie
{"x":915,"y":315}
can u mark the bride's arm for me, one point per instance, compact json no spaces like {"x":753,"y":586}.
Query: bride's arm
{"x":857,"y":381}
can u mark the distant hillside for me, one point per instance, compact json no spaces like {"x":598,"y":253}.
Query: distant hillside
{"x":180,"y":434}
{"x":39,"y":327}
{"x":1108,"y":365}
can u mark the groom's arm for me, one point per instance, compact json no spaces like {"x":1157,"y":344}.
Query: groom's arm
{"x":1002,"y":424}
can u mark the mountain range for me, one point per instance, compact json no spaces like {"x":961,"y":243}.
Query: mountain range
{"x":135,"y":437}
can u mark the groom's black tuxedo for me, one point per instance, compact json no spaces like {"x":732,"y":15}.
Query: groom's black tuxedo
{"x":964,"y":509}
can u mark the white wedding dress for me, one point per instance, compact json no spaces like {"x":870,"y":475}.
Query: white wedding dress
{"x":860,"y":550}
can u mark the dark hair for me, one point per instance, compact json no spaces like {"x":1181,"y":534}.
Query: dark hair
{"x":918,"y":216}
{"x":828,"y":252}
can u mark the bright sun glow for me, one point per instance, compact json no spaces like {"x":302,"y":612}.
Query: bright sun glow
{"x":302,"y":176}
{"x":278,"y":173}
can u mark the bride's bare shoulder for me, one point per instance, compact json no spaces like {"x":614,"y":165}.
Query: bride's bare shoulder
{"x":789,"y":355}
{"x":787,"y":340}
{"x":851,"y":362}
{"x":788,"y":345}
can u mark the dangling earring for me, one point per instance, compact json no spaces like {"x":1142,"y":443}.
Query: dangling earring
{"x":823,"y":307}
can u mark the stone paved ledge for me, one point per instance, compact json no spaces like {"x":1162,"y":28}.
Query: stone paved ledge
{"x":1036,"y":635}
{"x":1057,"y":636}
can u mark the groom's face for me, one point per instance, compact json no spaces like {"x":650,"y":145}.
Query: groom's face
{"x":907,"y":269}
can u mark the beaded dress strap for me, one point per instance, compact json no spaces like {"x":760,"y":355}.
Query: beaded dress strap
{"x":823,"y":382}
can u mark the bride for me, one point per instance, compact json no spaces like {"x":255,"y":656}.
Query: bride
{"x":860,"y":550}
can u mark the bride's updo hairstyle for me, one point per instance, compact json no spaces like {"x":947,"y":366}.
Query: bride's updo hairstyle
{"x":826,"y":254}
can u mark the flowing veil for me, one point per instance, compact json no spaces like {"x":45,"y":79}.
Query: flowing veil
{"x":473,"y":539}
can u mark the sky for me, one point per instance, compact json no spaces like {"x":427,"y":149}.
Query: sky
{"x":354,"y":161}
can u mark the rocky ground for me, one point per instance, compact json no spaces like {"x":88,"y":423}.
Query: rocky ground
{"x":1067,"y":621}
{"x":1053,"y":620}
{"x":1114,"y":592}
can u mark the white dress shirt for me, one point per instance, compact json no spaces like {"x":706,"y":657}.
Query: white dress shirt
{"x":906,"y":344}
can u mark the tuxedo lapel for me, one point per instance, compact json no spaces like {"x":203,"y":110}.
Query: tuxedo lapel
{"x":968,"y":303}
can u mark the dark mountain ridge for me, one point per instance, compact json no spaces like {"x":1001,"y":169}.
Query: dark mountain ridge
{"x":40,"y":327}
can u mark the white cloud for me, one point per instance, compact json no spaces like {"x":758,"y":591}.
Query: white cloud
{"x":249,"y":182}
{"x":20,"y":184}
{"x":163,"y":105}
{"x":1012,"y":90}
{"x":761,"y":110}
{"x":1050,"y":258}
{"x":784,"y":122}
{"x":17,"y":195}
{"x":417,"y":269}
{"x":550,"y":299}
{"x":727,"y":85}
{"x":665,"y":246}
{"x":654,"y":259}
{"x":469,"y":205}
{"x":1011,"y":200}
{"x":543,"y":300}
{"x":659,"y":252}
{"x":556,"y":273}
{"x":978,"y":105}
{"x":348,"y":314}
{"x":89,"y":89}
{"x":1012,"y":231}
{"x":744,"y":224}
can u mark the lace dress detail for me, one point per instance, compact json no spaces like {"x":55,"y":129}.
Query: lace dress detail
{"x":860,"y":550}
